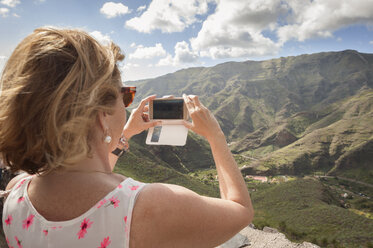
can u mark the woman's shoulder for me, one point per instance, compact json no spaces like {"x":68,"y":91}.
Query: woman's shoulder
{"x":16,"y":179}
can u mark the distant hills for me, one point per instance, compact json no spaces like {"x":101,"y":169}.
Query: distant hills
{"x":295,"y":115}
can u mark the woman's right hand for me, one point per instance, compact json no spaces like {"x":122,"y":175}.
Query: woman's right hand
{"x":203,"y":121}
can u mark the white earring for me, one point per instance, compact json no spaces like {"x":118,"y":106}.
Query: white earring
{"x":107,"y":139}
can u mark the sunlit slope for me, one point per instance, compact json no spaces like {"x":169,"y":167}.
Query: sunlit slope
{"x":305,"y":209}
{"x":341,"y":143}
{"x":292,"y":115}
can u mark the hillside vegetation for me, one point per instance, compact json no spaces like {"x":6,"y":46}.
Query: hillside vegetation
{"x":295,"y":115}
{"x":306,"y":209}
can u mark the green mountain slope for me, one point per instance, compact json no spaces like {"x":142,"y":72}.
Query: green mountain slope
{"x":338,"y":144}
{"x":292,"y":115}
{"x":306,"y":210}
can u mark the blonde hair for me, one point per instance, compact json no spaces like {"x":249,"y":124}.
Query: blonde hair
{"x":53,"y":86}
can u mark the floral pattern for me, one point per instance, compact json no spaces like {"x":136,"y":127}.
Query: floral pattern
{"x":102,"y":202}
{"x":20,"y":184}
{"x":28,"y":222}
{"x":133,"y":187}
{"x":13,"y":222}
{"x":114,"y":201}
{"x":19,"y":242}
{"x":83,"y":228}
{"x":125,"y":224}
{"x":8,"y":221}
{"x":105,"y":243}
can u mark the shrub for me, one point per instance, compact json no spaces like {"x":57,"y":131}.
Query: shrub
{"x":324,"y":242}
{"x":260,"y":224}
{"x":282,"y":226}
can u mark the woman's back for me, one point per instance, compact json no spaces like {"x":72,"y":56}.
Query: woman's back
{"x":30,"y":221}
{"x":71,"y":194}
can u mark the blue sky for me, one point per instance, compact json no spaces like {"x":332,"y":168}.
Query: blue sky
{"x":162,"y":36}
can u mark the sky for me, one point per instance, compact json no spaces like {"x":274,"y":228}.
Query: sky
{"x":163,"y":36}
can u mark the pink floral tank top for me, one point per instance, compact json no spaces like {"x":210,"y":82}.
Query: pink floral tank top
{"x":107,"y":224}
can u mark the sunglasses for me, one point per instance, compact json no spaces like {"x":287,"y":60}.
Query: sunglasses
{"x":128,"y":94}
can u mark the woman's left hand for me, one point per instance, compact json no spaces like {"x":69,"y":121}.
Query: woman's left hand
{"x":139,"y":119}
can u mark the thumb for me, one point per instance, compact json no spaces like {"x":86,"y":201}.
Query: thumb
{"x":153,"y":124}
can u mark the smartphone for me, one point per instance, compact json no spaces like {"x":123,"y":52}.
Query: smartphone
{"x":169,"y":110}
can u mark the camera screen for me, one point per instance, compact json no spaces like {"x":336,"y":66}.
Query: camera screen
{"x":168,"y":109}
{"x":156,"y":134}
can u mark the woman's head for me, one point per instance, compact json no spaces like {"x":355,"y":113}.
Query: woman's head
{"x":53,"y":87}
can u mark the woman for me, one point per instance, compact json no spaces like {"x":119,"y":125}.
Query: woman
{"x":63,"y":121}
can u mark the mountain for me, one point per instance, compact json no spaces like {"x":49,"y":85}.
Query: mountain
{"x":294,"y":115}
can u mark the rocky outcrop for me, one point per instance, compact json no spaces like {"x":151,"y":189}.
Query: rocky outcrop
{"x":268,"y":238}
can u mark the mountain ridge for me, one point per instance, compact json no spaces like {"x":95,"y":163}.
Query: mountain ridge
{"x":265,"y":106}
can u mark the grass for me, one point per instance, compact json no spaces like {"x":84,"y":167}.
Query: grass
{"x":306,"y":210}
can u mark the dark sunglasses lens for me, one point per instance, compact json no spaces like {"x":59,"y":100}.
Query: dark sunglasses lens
{"x":128,"y":95}
{"x":128,"y":98}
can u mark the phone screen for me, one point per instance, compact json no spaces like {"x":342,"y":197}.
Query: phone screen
{"x":168,"y":109}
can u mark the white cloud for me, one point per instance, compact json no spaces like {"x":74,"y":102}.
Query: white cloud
{"x":133,"y":44}
{"x":103,"y":39}
{"x":111,"y":9}
{"x":168,"y":16}
{"x":129,"y":66}
{"x":141,"y":8}
{"x":167,"y":61}
{"x":183,"y":55}
{"x":236,"y":29}
{"x":371,"y":42}
{"x":261,"y":27}
{"x":10,"y":3}
{"x":4,"y":12}
{"x":142,"y":52}
{"x":320,"y":18}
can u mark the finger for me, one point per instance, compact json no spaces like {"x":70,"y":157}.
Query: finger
{"x":145,"y":101}
{"x":153,"y":124}
{"x":146,"y":108}
{"x":188,"y":103}
{"x":187,"y":124}
{"x":195,"y":100}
